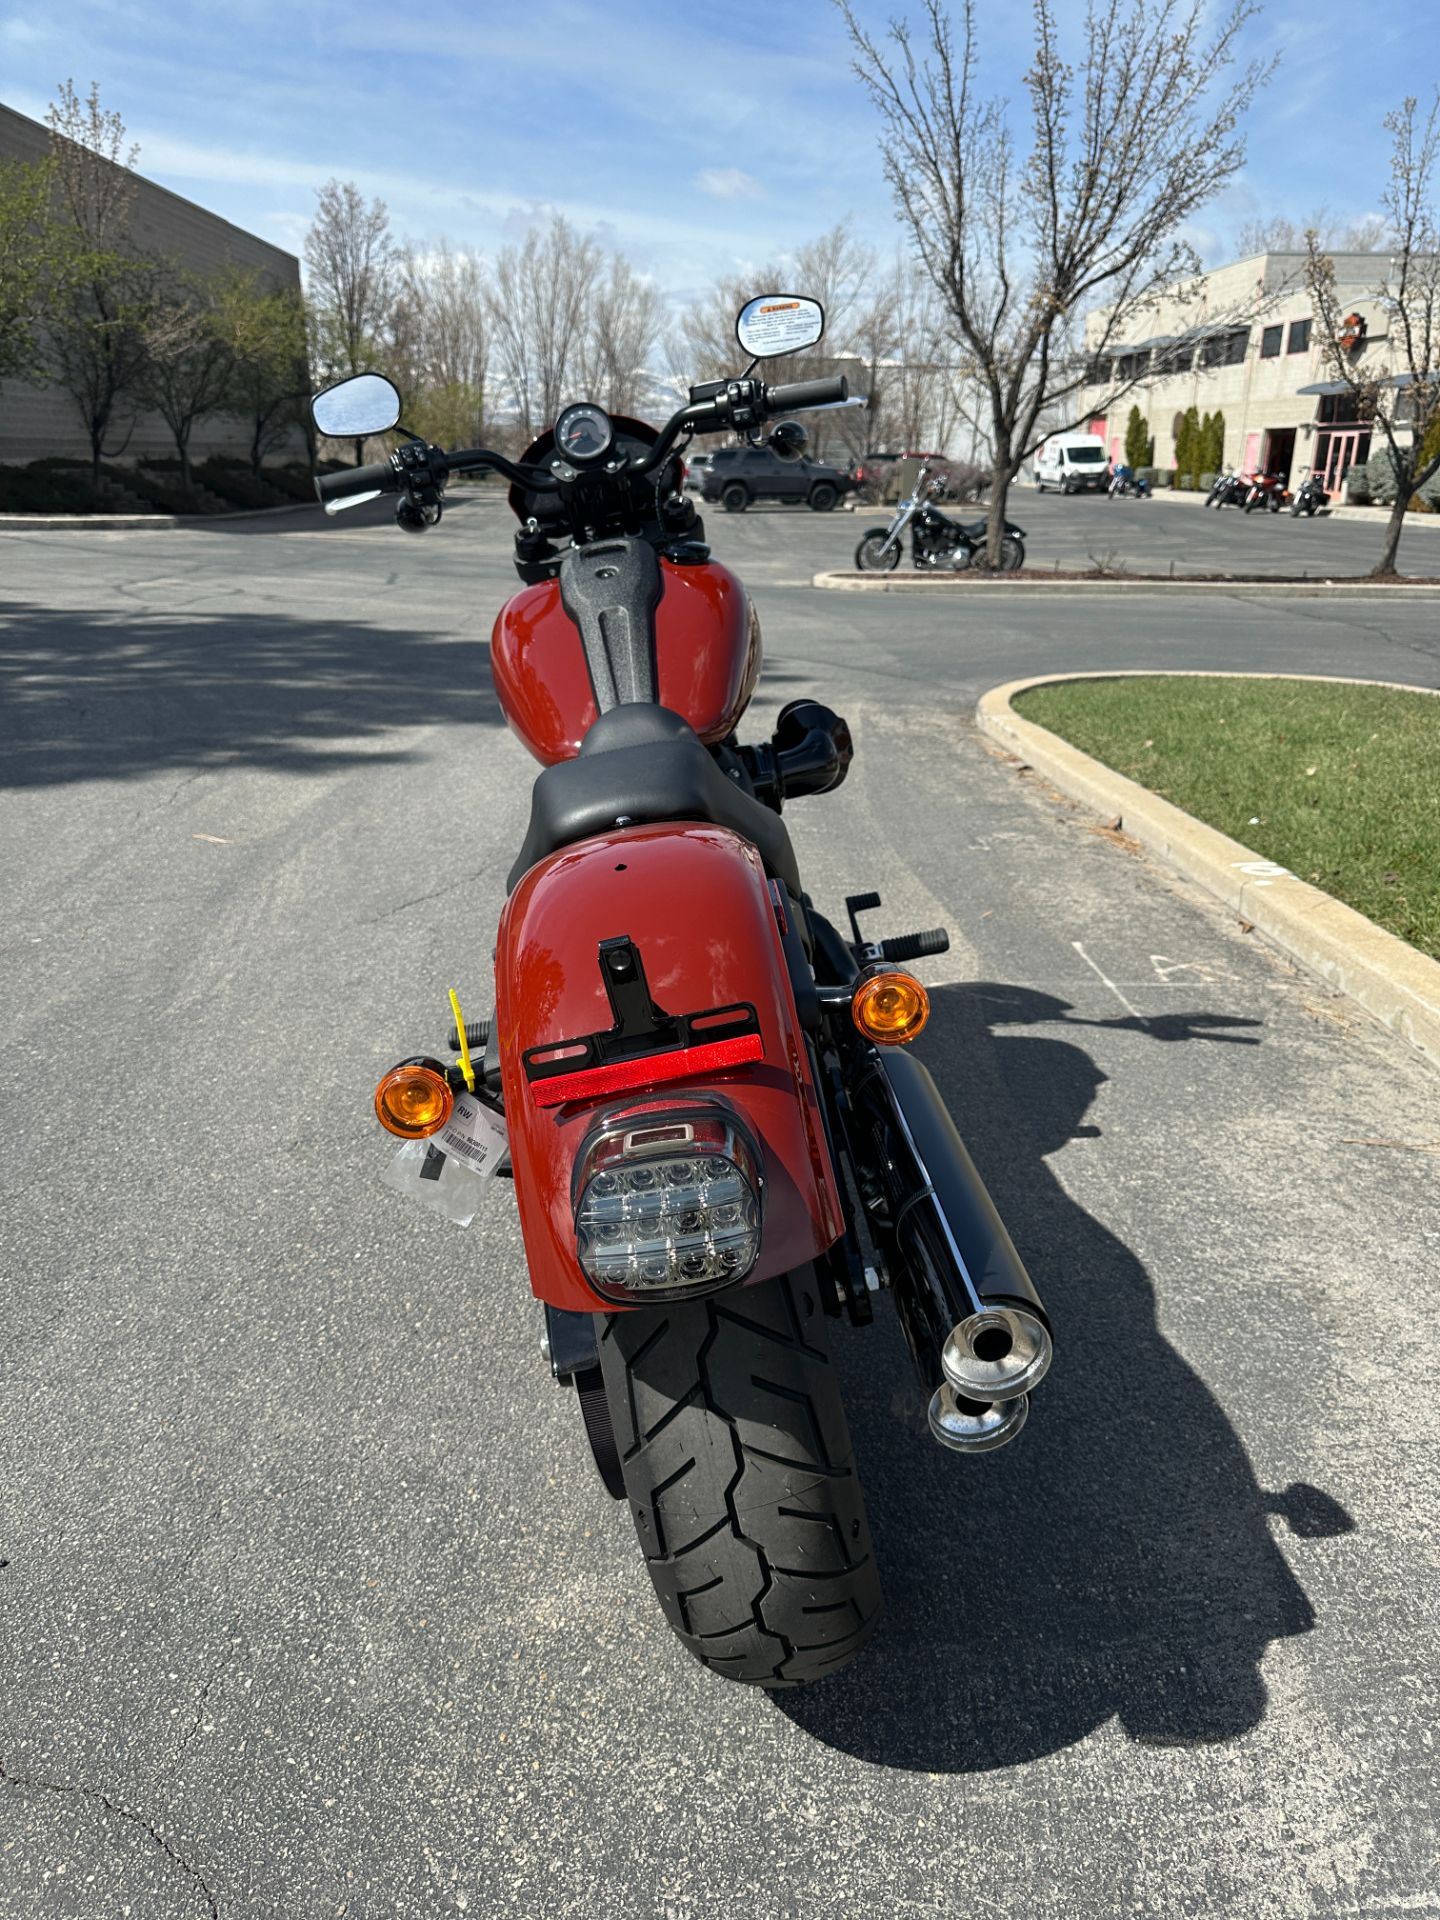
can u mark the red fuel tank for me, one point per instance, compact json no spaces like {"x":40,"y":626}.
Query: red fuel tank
{"x":707,"y":649}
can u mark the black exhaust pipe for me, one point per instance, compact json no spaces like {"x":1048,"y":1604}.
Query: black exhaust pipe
{"x":975,"y":1324}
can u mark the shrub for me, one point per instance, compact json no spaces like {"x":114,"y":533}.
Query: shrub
{"x":44,"y":489}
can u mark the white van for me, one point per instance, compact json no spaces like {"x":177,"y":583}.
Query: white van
{"x":1073,"y":462}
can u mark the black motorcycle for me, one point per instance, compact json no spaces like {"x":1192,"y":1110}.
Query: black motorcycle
{"x":1231,"y":489}
{"x":1310,"y":497}
{"x":937,"y":542}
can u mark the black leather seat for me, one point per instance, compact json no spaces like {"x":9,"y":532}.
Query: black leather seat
{"x":643,"y":764}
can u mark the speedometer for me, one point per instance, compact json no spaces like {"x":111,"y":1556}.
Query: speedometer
{"x":583,"y":432}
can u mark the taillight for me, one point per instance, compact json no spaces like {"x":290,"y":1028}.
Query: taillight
{"x":668,"y":1202}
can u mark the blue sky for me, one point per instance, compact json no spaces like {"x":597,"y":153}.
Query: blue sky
{"x":699,"y":138}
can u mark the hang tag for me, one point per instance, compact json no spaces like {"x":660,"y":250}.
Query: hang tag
{"x":475,"y":1135}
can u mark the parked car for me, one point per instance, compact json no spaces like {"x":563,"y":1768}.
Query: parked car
{"x":736,"y":476}
{"x":695,"y":467}
{"x":1072,"y":463}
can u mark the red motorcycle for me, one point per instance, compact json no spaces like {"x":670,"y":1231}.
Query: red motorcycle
{"x":1267,"y":490}
{"x":698,"y":1085}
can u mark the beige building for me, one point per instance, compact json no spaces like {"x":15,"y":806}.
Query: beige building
{"x":36,"y":421}
{"x":1246,"y":345}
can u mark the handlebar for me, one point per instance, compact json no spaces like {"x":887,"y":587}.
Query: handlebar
{"x":709,"y":415}
{"x":807,"y":393}
{"x":379,"y":477}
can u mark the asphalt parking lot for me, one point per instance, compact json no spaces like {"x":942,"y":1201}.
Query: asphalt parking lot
{"x":1160,"y":535}
{"x":311,"y":1603}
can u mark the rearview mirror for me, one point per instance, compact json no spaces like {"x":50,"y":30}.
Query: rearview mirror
{"x":368,"y":403}
{"x":774,"y":323}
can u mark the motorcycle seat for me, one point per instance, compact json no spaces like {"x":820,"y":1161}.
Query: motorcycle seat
{"x":644,"y":764}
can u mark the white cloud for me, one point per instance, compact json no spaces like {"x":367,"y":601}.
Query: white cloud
{"x":729,"y":183}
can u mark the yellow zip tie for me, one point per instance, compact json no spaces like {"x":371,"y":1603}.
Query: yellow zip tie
{"x":465,"y":1066}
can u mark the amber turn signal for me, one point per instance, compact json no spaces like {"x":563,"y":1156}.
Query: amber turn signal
{"x":891,"y":1008}
{"x":413,"y":1100}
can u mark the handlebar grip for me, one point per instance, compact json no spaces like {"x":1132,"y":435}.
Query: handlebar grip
{"x":379,"y":477}
{"x":807,"y":393}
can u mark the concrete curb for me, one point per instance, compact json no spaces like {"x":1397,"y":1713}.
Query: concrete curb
{"x":1390,"y":979}
{"x":135,"y":522}
{"x":839,"y":581}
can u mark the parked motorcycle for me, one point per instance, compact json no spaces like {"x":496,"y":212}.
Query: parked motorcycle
{"x":1310,"y":496}
{"x":1266,"y":490}
{"x":1126,"y":481}
{"x":937,"y":542}
{"x":1230,"y":489}
{"x":696,"y":1082}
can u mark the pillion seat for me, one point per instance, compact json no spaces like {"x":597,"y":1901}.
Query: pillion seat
{"x":644,"y":764}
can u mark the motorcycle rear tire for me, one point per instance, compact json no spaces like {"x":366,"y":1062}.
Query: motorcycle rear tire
{"x":737,"y":1464}
{"x":868,"y":554}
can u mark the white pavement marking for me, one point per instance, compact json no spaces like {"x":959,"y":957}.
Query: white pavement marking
{"x":1134,"y":1012}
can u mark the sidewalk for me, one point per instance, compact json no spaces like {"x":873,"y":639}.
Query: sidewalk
{"x":1377,"y":515}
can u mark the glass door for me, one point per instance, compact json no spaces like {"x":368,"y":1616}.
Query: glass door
{"x":1337,"y":451}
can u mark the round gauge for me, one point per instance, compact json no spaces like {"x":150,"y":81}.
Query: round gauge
{"x":583,"y":432}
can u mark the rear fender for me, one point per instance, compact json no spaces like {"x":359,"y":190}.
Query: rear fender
{"x":695,"y":902}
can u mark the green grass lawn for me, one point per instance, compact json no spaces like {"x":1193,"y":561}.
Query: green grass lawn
{"x":1340,"y":784}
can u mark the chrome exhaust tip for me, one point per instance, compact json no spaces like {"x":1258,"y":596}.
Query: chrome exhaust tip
{"x":997,"y":1354}
{"x":965,"y":1426}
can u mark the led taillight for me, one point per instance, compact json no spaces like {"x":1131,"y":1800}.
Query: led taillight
{"x":668,"y":1203}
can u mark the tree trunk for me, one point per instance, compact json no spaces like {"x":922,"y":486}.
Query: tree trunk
{"x":1384,"y":568}
{"x":1001,"y":475}
{"x":182,"y":443}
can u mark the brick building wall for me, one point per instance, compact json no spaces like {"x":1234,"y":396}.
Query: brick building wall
{"x":35,"y":421}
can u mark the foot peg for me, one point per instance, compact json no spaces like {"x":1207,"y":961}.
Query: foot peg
{"x":910,"y":946}
{"x":904,"y":946}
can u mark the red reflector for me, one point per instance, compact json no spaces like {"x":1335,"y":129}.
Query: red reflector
{"x":646,"y":1071}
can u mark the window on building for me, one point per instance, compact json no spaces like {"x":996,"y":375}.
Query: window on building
{"x":1299,"y":336}
{"x":1270,"y":341}
{"x":1225,"y":349}
{"x":1340,"y":410}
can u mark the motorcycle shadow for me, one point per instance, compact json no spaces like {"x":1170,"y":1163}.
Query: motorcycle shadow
{"x":1115,"y":1559}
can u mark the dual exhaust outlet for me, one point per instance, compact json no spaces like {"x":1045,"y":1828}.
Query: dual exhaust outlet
{"x":974,"y":1322}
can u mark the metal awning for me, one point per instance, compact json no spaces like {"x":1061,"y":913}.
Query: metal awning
{"x":1345,"y":386}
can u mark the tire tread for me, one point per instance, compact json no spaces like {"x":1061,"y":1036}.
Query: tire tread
{"x":743,"y":1488}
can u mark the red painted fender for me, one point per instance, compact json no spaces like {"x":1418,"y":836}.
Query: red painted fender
{"x":695,"y":901}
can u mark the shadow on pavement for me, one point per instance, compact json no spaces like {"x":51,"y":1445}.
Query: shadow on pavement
{"x":96,"y":696}
{"x":1115,"y":1559}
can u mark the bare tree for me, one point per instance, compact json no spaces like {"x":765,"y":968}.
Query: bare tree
{"x":539,"y":298}
{"x":1398,"y":389}
{"x":350,"y":274}
{"x":1278,"y":234}
{"x":440,"y":335}
{"x":1121,"y":154}
{"x":189,"y":362}
{"x":625,"y":321}
{"x":94,"y":330}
